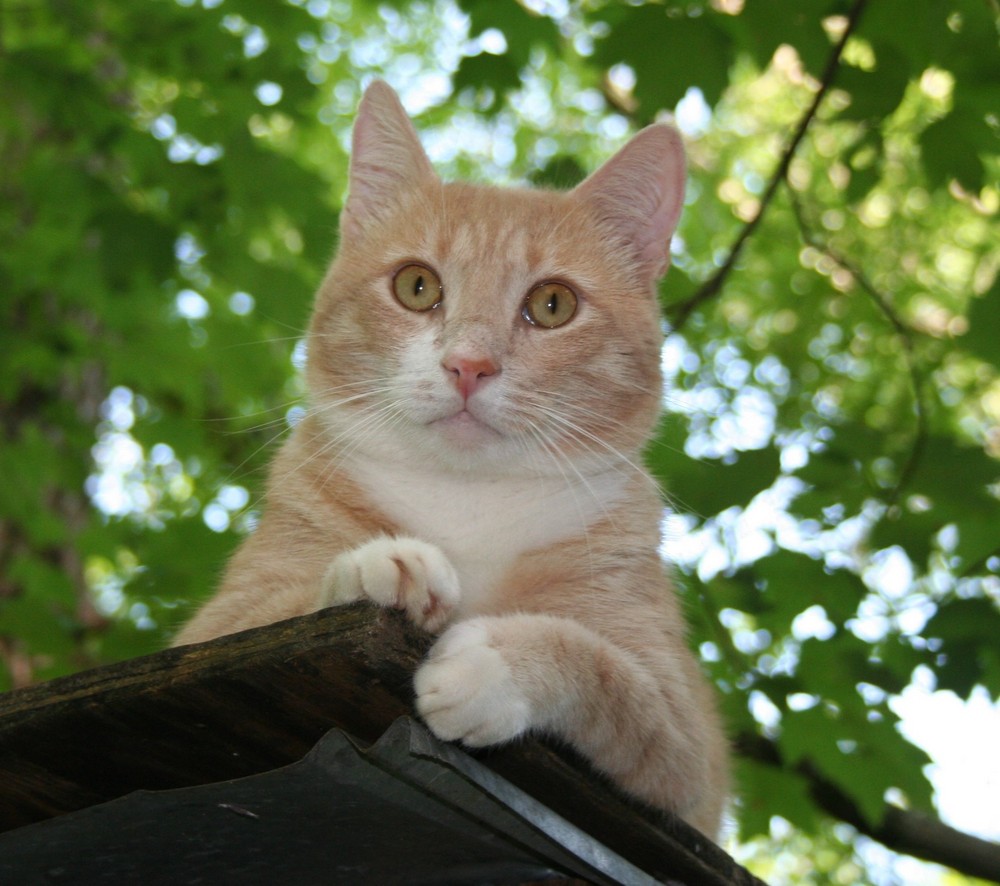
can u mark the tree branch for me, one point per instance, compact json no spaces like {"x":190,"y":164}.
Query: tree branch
{"x":679,"y":313}
{"x":901,"y":830}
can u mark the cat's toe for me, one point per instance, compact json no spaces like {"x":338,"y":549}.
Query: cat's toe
{"x":403,"y":573}
{"x":466,"y":691}
{"x":429,"y":583}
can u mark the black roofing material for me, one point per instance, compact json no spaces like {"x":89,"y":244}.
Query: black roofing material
{"x":408,"y":810}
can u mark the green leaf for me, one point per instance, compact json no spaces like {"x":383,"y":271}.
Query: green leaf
{"x":866,"y":161}
{"x":902,"y":658}
{"x":875,"y":94}
{"x":840,"y":475}
{"x":764,"y":25}
{"x":983,"y":338}
{"x":669,"y":52}
{"x":955,"y":146}
{"x":855,"y":761}
{"x":193,"y":576}
{"x":950,"y":485}
{"x":977,"y":542}
{"x":562,"y":172}
{"x":913,"y":28}
{"x":495,"y":72}
{"x":766,"y":791}
{"x":796,"y":581}
{"x":708,"y":486}
{"x":676,"y":288}
{"x":124,"y":641}
{"x":833,"y":668}
{"x":969,"y":655}
{"x":522,"y":27}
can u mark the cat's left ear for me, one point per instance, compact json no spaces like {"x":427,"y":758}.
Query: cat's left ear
{"x":387,"y":159}
{"x":639,"y":194}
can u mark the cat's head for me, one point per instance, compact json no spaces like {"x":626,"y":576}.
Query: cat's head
{"x":496,"y":330}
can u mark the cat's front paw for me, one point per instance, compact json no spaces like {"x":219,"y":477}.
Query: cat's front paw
{"x":466,"y":690}
{"x":403,"y":573}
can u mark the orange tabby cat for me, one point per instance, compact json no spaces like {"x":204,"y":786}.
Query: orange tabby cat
{"x":484,"y":369}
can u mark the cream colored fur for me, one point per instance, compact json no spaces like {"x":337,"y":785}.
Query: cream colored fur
{"x":503,"y":506}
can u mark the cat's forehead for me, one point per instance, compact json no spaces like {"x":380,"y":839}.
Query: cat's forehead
{"x":478,"y":229}
{"x":505,"y":238}
{"x":478,"y":215}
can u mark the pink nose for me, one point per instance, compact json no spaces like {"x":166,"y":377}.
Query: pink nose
{"x":468,"y":372}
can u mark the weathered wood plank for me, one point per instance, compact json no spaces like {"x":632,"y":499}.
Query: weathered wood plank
{"x":236,"y":706}
{"x":254,"y":701}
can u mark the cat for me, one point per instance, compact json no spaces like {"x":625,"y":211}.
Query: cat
{"x":483,"y":369}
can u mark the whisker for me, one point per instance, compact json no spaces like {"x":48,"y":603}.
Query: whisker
{"x":261,"y":448}
{"x":583,"y":411}
{"x":369,"y":423}
{"x":253,"y":343}
{"x":557,"y":458}
{"x":585,"y":437}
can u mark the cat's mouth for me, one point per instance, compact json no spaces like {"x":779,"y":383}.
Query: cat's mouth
{"x":466,"y":427}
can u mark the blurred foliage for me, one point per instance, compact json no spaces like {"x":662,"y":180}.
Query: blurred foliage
{"x":170,"y":173}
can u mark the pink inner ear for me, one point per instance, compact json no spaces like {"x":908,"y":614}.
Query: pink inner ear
{"x":386,"y":158}
{"x":640,"y":192}
{"x":663,"y":223}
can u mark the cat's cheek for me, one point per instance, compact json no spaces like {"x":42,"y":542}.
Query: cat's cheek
{"x":466,"y":690}
{"x":428,"y":397}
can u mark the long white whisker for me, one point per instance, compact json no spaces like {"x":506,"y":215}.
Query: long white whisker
{"x":369,"y":421}
{"x":545,"y":447}
{"x":558,"y":457}
{"x":596,"y":444}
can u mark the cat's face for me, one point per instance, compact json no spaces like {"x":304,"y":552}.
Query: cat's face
{"x":479,"y":329}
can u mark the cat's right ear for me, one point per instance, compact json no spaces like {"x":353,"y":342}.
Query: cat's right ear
{"x":638,"y":194}
{"x":387,"y":160}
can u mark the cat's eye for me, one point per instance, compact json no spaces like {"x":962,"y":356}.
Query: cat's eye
{"x":417,"y":287}
{"x":549,"y":305}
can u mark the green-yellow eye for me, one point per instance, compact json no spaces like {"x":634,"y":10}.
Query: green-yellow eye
{"x":549,"y":305}
{"x":417,"y":287}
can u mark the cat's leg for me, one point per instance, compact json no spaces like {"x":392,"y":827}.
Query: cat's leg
{"x":490,"y":679}
{"x":404,"y":573}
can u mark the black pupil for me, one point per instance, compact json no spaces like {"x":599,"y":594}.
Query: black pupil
{"x":553,"y":303}
{"x":418,"y":285}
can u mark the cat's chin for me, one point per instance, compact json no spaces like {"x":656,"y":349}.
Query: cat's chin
{"x":464,"y":428}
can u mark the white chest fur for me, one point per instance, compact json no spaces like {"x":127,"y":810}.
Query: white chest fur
{"x":484,"y":525}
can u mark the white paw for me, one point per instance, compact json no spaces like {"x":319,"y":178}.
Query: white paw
{"x":403,"y":573}
{"x":466,"y":691}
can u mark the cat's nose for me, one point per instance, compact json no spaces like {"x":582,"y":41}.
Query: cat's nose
{"x":468,"y":372}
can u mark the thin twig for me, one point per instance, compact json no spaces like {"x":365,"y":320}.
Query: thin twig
{"x":903,"y":331}
{"x":980,"y":564}
{"x":679,"y":314}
